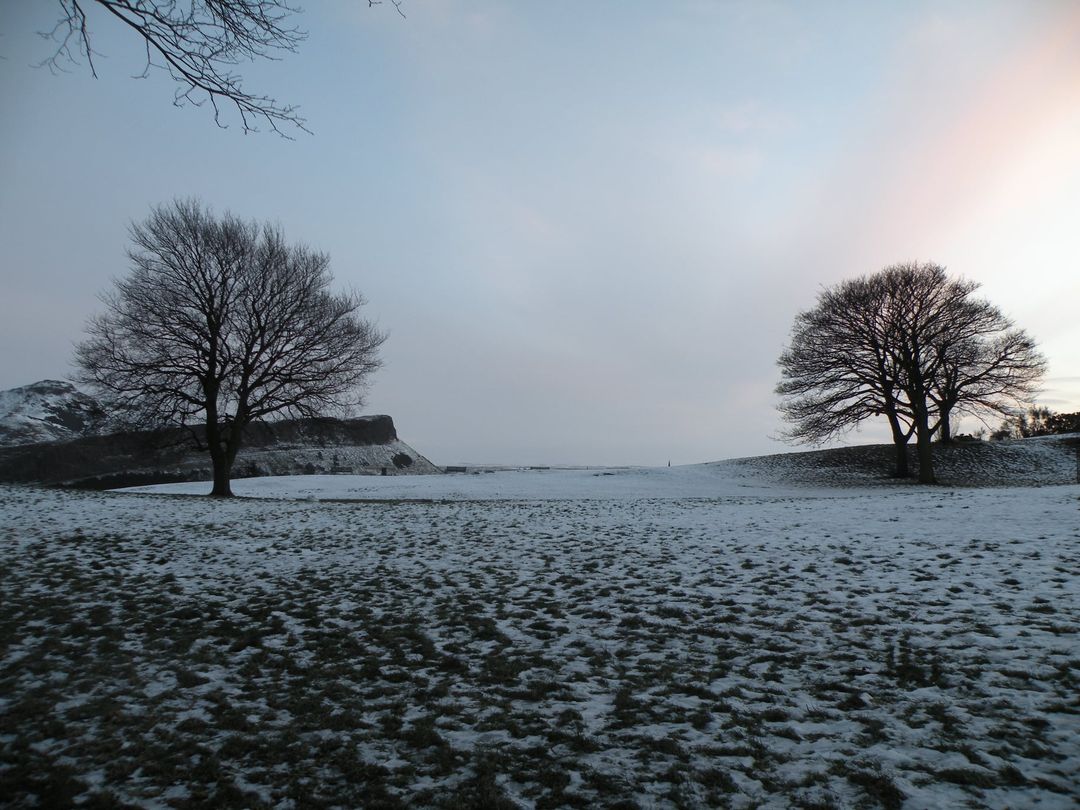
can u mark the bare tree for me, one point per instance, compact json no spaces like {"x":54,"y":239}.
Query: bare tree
{"x":920,"y":309}
{"x":838,"y":371}
{"x":954,"y":352}
{"x":1041,"y":421}
{"x":199,"y":43}
{"x":994,"y":373}
{"x":908,"y":343}
{"x":219,"y":323}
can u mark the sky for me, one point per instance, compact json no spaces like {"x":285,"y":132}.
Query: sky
{"x":586,"y":227}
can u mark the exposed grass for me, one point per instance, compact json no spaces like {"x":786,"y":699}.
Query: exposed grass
{"x":559,"y":654}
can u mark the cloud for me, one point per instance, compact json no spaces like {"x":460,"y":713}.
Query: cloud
{"x":752,"y":117}
{"x":731,"y":161}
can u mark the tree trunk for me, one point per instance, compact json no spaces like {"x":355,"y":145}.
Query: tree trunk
{"x":228,"y":445}
{"x":925,"y":449}
{"x":901,"y":471}
{"x":944,"y":427}
{"x":900,"y":440}
{"x":222,"y":476}
{"x":221,"y":459}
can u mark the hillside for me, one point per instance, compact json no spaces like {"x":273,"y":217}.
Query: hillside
{"x":52,"y":433}
{"x":48,"y":411}
{"x":1038,"y":461}
{"x":368,"y":445}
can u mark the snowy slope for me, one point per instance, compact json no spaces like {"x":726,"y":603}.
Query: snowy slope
{"x":359,"y":459}
{"x":1037,"y":461}
{"x":47,"y":411}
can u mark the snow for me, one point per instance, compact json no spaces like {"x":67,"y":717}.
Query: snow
{"x":723,"y":480}
{"x":48,"y":410}
{"x":1040,"y":461}
{"x":698,"y":636}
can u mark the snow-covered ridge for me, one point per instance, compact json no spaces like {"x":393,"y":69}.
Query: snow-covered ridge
{"x":48,"y":411}
{"x":1037,"y":461}
{"x":52,"y":433}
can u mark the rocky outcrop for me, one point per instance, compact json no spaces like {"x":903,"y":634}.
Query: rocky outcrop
{"x":365,"y":446}
{"x":52,"y":435}
{"x":48,"y":411}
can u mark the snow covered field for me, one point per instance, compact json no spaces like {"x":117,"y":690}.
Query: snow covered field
{"x":693,"y":637}
{"x":696,"y":481}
